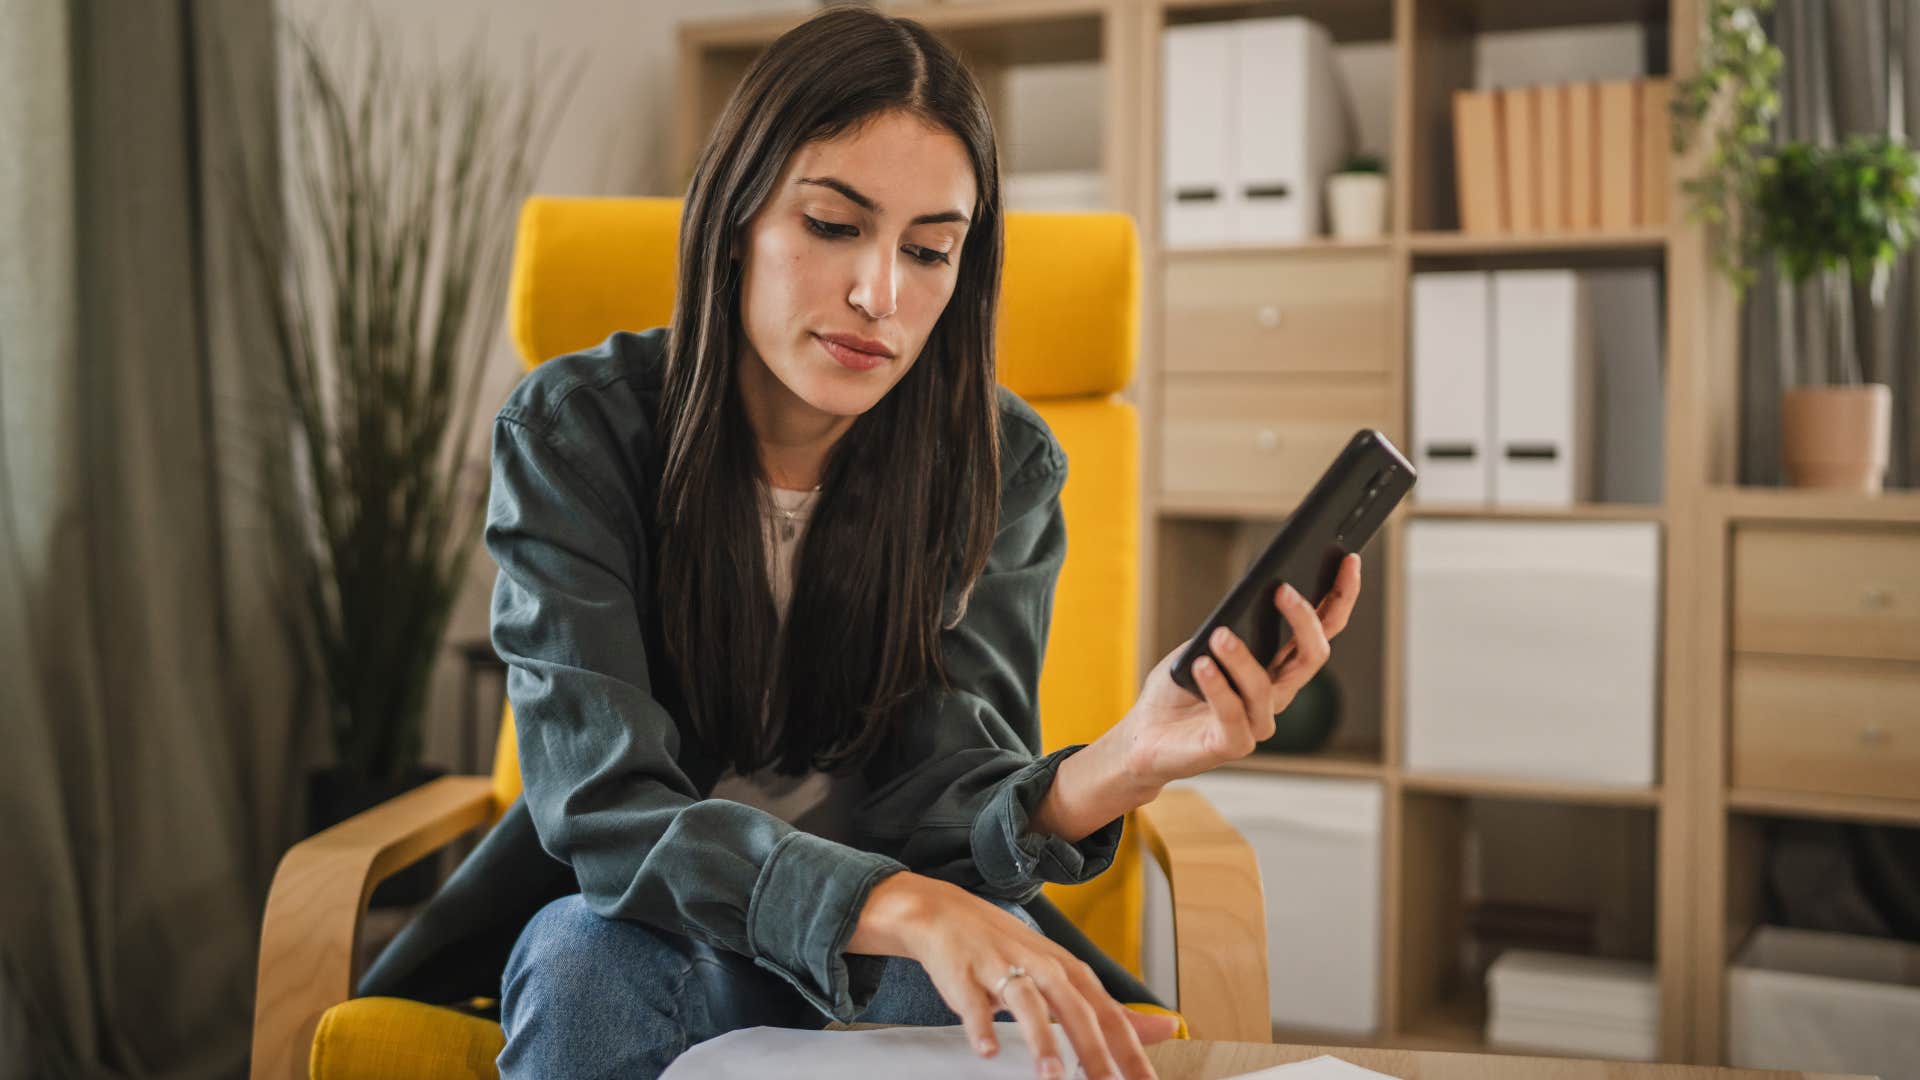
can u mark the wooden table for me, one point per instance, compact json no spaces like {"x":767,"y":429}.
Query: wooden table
{"x":1179,"y":1059}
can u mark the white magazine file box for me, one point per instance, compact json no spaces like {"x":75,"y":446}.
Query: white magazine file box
{"x":1318,"y":844}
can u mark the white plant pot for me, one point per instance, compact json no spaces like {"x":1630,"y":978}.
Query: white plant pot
{"x":1357,"y":205}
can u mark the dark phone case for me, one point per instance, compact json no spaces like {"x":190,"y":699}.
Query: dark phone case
{"x":1332,"y":521}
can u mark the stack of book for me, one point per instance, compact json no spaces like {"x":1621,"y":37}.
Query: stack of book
{"x":1581,"y":1005}
{"x":1567,"y":158}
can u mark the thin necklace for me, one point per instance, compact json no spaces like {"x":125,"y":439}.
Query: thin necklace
{"x":787,"y":527}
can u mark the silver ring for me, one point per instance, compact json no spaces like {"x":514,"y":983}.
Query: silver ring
{"x":1014,"y":972}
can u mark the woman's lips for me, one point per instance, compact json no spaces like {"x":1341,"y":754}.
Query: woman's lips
{"x":851,"y":358}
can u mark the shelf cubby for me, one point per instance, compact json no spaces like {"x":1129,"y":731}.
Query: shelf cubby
{"x":1479,"y":873}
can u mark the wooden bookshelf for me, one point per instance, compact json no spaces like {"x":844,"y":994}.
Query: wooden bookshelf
{"x":1705,"y":886}
{"x":1348,"y":764}
{"x":1650,"y":242}
{"x":1579,"y":512}
{"x":1500,"y":787}
{"x":1825,"y":807}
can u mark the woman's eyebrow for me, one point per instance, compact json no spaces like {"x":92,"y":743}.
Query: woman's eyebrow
{"x":870,"y":206}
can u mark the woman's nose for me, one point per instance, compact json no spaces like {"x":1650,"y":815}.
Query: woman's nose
{"x":874,"y":290}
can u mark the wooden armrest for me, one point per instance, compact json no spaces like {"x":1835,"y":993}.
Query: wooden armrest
{"x":319,"y":898}
{"x":1219,"y":916}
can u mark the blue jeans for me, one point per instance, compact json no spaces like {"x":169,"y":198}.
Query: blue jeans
{"x":586,"y":996}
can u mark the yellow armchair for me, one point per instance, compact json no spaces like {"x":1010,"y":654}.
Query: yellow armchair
{"x":1067,"y":342}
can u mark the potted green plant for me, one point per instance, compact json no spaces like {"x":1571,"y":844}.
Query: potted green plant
{"x":384,"y":251}
{"x":1835,"y":215}
{"x":1357,"y":198}
{"x":1829,"y":214}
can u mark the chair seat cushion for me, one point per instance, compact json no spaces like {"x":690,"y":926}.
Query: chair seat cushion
{"x":385,"y":1038}
{"x":388,"y":1038}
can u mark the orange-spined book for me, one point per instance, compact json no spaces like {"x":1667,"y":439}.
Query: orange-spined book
{"x":1583,"y":164}
{"x":1550,"y":109}
{"x":1620,"y":154}
{"x":1520,"y":137}
{"x":1478,"y":161}
{"x":1655,"y":131}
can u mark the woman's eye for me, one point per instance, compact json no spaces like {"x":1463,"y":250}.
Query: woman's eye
{"x":829,"y":229}
{"x":924,"y":256}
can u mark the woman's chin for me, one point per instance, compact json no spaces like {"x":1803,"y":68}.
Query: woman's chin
{"x":844,"y":393}
{"x":851,"y":407}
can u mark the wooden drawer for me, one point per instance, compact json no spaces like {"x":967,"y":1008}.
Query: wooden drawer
{"x":1260,"y":440}
{"x":1323,"y":312}
{"x":1827,"y":591}
{"x":1842,"y":727}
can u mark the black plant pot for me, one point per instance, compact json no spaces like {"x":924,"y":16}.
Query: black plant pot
{"x":334,"y":795}
{"x":1306,"y":724}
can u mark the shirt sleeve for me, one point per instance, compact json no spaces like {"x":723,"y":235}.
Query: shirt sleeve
{"x":599,"y":754}
{"x":954,"y":792}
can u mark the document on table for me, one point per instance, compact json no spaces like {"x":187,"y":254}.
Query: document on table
{"x":925,"y":1053}
{"x":1324,"y":1067}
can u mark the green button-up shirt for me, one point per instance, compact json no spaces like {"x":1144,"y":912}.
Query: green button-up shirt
{"x":614,"y":783}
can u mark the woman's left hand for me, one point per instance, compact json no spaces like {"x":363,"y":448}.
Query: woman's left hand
{"x":1170,"y":734}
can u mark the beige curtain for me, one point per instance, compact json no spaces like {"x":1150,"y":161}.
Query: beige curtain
{"x":149,"y":740}
{"x":1849,"y":68}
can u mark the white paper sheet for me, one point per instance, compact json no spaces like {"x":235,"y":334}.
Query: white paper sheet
{"x":1324,"y":1067}
{"x":924,"y":1053}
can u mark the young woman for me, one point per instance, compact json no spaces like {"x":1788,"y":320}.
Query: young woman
{"x":774,"y":590}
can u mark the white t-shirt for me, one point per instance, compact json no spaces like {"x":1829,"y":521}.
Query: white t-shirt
{"x":819,"y":803}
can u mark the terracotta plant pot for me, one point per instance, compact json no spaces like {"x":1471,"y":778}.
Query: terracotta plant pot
{"x":1836,"y":437}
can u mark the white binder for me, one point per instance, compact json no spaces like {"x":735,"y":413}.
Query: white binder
{"x":1291,"y":128}
{"x":1452,"y":369}
{"x":1256,"y":118}
{"x":1196,"y":158}
{"x":1543,"y":388}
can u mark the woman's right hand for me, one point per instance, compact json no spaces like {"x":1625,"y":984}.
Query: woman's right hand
{"x":966,"y":944}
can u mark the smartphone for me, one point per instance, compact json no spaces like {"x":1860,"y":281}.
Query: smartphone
{"x":1345,"y":507}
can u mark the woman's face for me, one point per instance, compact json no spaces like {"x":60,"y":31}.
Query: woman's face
{"x":861,"y":239}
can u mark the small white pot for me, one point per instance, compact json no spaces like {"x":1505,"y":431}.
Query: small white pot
{"x":1357,"y":205}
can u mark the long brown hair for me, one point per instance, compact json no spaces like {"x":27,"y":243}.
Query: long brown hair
{"x":910,"y":498}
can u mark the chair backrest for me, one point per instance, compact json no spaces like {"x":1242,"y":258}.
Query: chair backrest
{"x":1068,"y":336}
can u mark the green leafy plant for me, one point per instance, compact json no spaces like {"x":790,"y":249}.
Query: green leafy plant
{"x":384,"y":254}
{"x":1851,"y":207}
{"x":1364,"y":163}
{"x":1732,"y":96}
{"x":1835,"y":212}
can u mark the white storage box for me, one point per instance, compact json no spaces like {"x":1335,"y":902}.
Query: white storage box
{"x":1580,"y":1005}
{"x":1804,"y":999}
{"x":1531,"y":649}
{"x":1318,"y":842}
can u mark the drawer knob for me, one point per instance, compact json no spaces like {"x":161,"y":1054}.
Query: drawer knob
{"x":1874,"y":736}
{"x":1269,"y":316}
{"x":1877,"y":598}
{"x":1267,"y":439}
